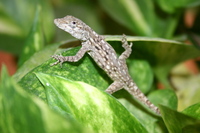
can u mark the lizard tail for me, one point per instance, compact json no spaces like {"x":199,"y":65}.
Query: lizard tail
{"x":133,"y":89}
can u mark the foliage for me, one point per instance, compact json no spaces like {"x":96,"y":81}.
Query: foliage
{"x":71,"y":98}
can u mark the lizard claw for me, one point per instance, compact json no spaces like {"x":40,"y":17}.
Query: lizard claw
{"x":59,"y":59}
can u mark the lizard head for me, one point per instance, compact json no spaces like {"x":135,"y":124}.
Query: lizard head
{"x":74,"y":26}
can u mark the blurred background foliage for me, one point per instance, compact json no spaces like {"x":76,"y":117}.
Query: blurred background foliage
{"x":26,"y":27}
{"x":153,"y":18}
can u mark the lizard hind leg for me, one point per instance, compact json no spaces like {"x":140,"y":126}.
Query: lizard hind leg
{"x":115,"y":86}
{"x":127,"y":48}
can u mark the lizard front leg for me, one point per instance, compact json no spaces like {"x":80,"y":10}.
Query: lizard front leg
{"x":127,"y":48}
{"x":60,"y":59}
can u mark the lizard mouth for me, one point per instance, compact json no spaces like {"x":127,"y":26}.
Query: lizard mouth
{"x":60,"y":23}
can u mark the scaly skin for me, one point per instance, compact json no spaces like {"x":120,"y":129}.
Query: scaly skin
{"x":104,"y":55}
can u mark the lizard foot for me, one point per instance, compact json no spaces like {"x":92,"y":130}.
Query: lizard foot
{"x":125,"y":43}
{"x":60,"y":59}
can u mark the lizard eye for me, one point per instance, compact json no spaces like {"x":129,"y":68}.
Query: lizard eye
{"x":73,"y":22}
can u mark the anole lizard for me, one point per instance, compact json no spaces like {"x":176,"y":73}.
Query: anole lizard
{"x":104,"y":55}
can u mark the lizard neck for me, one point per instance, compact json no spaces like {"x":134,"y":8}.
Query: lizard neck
{"x":93,"y":34}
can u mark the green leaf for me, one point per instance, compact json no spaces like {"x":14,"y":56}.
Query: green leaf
{"x":17,"y":21}
{"x":191,"y":129}
{"x":177,"y":122}
{"x":147,"y":120}
{"x":37,"y":59}
{"x":90,"y":106}
{"x":172,"y":6}
{"x":130,"y":14}
{"x":141,"y":72}
{"x":22,"y":113}
{"x":140,"y":17}
{"x":84,"y":70}
{"x":163,"y":96}
{"x":193,"y":111}
{"x":35,"y":40}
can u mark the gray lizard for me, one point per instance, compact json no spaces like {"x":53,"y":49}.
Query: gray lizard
{"x":104,"y":55}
